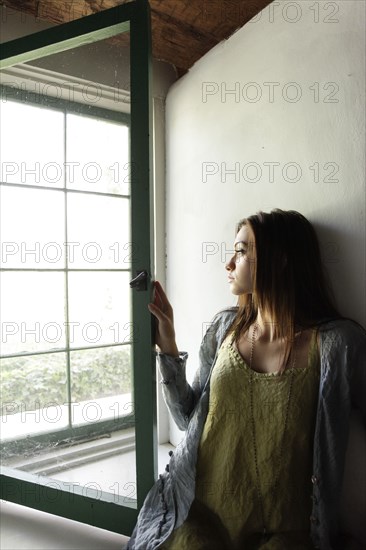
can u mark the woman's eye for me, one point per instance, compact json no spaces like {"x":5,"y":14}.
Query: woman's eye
{"x":240,"y":252}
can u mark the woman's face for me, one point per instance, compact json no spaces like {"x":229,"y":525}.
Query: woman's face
{"x":240,"y":266}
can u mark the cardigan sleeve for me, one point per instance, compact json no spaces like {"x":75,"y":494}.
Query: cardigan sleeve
{"x":358,"y":370}
{"x":181,"y":397}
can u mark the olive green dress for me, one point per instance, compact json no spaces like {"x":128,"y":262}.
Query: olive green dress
{"x":226,"y":513}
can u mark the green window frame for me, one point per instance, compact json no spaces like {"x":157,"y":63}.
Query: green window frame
{"x":105,"y":510}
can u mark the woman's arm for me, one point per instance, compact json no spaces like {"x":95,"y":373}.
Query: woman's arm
{"x":180,"y":397}
{"x":177,"y":392}
{"x":353,"y":499}
{"x":358,"y":365}
{"x":165,"y":334}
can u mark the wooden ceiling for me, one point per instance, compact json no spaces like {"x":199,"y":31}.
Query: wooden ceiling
{"x":182,"y":30}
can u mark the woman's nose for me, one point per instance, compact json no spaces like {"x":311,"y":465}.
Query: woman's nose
{"x":230,"y":264}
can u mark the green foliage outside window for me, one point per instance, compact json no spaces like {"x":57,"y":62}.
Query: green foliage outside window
{"x":36,"y":381}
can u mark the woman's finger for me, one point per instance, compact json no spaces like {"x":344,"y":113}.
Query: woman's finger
{"x":156,"y":295}
{"x":155,"y":310}
{"x":160,"y":298}
{"x":161,"y":292}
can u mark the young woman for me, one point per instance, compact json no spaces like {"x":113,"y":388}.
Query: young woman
{"x":267,"y":415}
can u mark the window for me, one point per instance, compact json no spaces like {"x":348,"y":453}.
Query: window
{"x":66,"y":266}
{"x":76,"y":228}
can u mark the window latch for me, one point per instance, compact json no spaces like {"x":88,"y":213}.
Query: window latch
{"x":140,"y":281}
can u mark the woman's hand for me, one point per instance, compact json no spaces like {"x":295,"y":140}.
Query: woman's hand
{"x":163,"y":311}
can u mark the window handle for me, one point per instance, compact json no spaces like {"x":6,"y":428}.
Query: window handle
{"x":140,"y":281}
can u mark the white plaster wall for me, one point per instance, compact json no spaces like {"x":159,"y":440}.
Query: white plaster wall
{"x":210,"y":130}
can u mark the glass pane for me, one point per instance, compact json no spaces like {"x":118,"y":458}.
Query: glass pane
{"x":32,"y":228}
{"x":99,"y":308}
{"x":98,"y":153}
{"x":98,"y":232}
{"x":33,"y":394}
{"x":92,"y":444}
{"x":105,"y":463}
{"x":32,"y":312}
{"x":32,"y":145}
{"x":101,"y":384}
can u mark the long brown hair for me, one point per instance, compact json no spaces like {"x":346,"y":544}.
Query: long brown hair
{"x":288,"y":277}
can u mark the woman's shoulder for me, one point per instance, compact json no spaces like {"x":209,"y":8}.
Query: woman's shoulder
{"x":233,"y":310}
{"x":343,"y":329}
{"x":225,"y":316}
{"x":219,"y":324}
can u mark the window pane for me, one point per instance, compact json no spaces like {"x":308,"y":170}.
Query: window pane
{"x":95,"y":452}
{"x":106,"y":464}
{"x":33,"y":394}
{"x":32,"y":312}
{"x":96,"y":461}
{"x":98,"y":155}
{"x":101,"y":384}
{"x":99,"y":308}
{"x":32,"y":145}
{"x":32,"y":228}
{"x":98,"y":232}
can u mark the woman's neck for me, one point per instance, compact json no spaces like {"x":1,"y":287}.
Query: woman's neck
{"x":266,"y":327}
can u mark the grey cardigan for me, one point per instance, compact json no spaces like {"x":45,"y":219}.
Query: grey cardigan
{"x":342,"y":387}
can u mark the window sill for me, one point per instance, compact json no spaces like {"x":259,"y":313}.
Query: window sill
{"x":104,"y":464}
{"x":23,"y":528}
